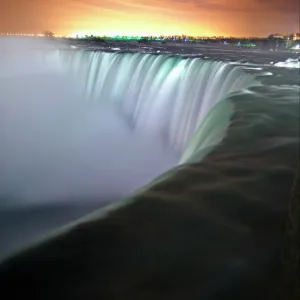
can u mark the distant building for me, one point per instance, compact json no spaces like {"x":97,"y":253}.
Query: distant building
{"x":48,"y":33}
{"x":296,"y":37}
{"x":276,"y":36}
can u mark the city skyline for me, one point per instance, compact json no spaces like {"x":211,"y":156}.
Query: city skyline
{"x":165,"y":17}
{"x":292,"y":36}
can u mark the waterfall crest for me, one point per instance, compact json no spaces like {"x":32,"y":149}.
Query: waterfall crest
{"x":160,"y":94}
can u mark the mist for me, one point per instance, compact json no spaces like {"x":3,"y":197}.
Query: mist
{"x":60,"y":149}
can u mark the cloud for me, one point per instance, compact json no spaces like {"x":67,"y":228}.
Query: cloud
{"x":282,"y":6}
{"x":258,"y":17}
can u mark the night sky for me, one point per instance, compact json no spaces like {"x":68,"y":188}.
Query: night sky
{"x":141,"y":17}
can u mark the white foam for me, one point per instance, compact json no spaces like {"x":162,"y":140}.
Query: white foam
{"x":289,"y":63}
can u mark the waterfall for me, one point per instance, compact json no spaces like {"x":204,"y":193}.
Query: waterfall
{"x":165,"y":95}
{"x":81,"y":129}
{"x":166,"y":109}
{"x":89,"y":128}
{"x":81,"y":124}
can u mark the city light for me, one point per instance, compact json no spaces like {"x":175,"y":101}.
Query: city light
{"x":282,"y":40}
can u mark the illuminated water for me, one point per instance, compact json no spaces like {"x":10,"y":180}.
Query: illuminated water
{"x":99,"y":124}
{"x":79,"y":129}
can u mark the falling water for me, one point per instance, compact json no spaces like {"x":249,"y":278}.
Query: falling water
{"x":90,"y":127}
{"x":78,"y":121}
{"x":96,"y":126}
{"x":82,"y":125}
{"x":162,"y":95}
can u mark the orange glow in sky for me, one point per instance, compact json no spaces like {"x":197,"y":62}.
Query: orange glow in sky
{"x":143,"y":17}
